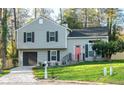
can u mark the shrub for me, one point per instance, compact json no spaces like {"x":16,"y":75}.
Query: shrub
{"x":106,"y":49}
{"x":0,"y":65}
{"x":15,"y":62}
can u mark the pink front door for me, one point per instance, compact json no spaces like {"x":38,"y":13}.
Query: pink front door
{"x":77,"y":53}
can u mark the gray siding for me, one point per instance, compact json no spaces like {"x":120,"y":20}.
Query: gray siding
{"x":72,"y":42}
{"x":40,"y":35}
{"x":41,"y":55}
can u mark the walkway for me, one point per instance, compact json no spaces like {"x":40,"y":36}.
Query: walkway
{"x":19,"y":75}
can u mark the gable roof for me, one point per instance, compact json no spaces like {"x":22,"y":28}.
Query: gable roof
{"x":43,"y":18}
{"x":90,"y":31}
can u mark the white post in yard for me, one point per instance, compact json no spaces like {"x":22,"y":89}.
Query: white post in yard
{"x":45,"y":71}
{"x":111,"y":71}
{"x":105,"y":71}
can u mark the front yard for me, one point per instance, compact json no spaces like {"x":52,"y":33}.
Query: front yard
{"x":87,"y":71}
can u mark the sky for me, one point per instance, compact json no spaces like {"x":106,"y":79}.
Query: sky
{"x":56,"y":13}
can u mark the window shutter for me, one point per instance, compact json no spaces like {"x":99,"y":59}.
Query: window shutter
{"x":56,"y":36}
{"x":32,"y":36}
{"x":58,"y":55}
{"x":47,"y":37}
{"x":24,"y":37}
{"x":48,"y":55}
{"x":86,"y":50}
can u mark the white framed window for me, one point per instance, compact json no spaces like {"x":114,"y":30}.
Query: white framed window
{"x":40,"y":21}
{"x":91,"y":53}
{"x":52,"y":36}
{"x":29,"y":37}
{"x":53,"y":55}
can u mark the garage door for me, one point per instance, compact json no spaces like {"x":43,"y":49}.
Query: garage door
{"x":29,"y":58}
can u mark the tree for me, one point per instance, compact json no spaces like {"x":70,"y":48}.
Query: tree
{"x":71,"y":18}
{"x":84,"y":17}
{"x":114,"y":16}
{"x":42,"y":12}
{"x":0,"y":39}
{"x":35,"y":13}
{"x":4,"y":36}
{"x":23,"y":16}
{"x":15,"y":21}
{"x":61,"y":16}
{"x":106,"y":49}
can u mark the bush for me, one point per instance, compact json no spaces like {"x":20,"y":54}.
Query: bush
{"x":0,"y":65}
{"x":15,"y":62}
{"x":106,"y":49}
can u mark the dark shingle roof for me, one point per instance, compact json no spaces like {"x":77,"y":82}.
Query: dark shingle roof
{"x":91,"y":31}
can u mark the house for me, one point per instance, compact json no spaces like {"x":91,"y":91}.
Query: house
{"x":45,"y":40}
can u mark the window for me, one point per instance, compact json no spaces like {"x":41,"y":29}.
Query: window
{"x":40,"y":21}
{"x":52,"y":36}
{"x":91,"y":53}
{"x":29,"y":37}
{"x":53,"y":55}
{"x":93,"y":41}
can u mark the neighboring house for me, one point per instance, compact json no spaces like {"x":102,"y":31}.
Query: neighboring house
{"x":45,"y":40}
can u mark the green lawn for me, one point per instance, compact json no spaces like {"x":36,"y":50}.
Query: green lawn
{"x":4,"y":72}
{"x":88,"y":71}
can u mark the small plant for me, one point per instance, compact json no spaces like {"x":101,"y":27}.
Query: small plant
{"x":49,"y":64}
{"x":15,"y":62}
{"x":40,"y":64}
{"x":56,"y":64}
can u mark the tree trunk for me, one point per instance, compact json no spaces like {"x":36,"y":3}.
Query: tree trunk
{"x":15,"y":24}
{"x":3,"y":58}
{"x":4,"y":36}
{"x":86,"y":18}
{"x":61,"y":16}
{"x":35,"y":13}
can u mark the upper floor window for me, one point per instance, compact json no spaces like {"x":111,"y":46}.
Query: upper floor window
{"x":29,"y":37}
{"x":52,"y":36}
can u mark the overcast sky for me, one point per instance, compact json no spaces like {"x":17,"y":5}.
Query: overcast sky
{"x":55,"y":14}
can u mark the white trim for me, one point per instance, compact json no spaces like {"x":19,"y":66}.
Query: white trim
{"x":88,"y":37}
{"x":51,"y":55}
{"x":81,"y":58}
{"x":66,"y":39}
{"x":20,"y":57}
{"x":43,"y":17}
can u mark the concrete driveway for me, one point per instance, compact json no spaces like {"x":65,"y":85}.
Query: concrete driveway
{"x":19,"y":75}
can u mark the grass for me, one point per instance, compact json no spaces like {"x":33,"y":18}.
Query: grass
{"x":4,"y":72}
{"x":86,"y":71}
